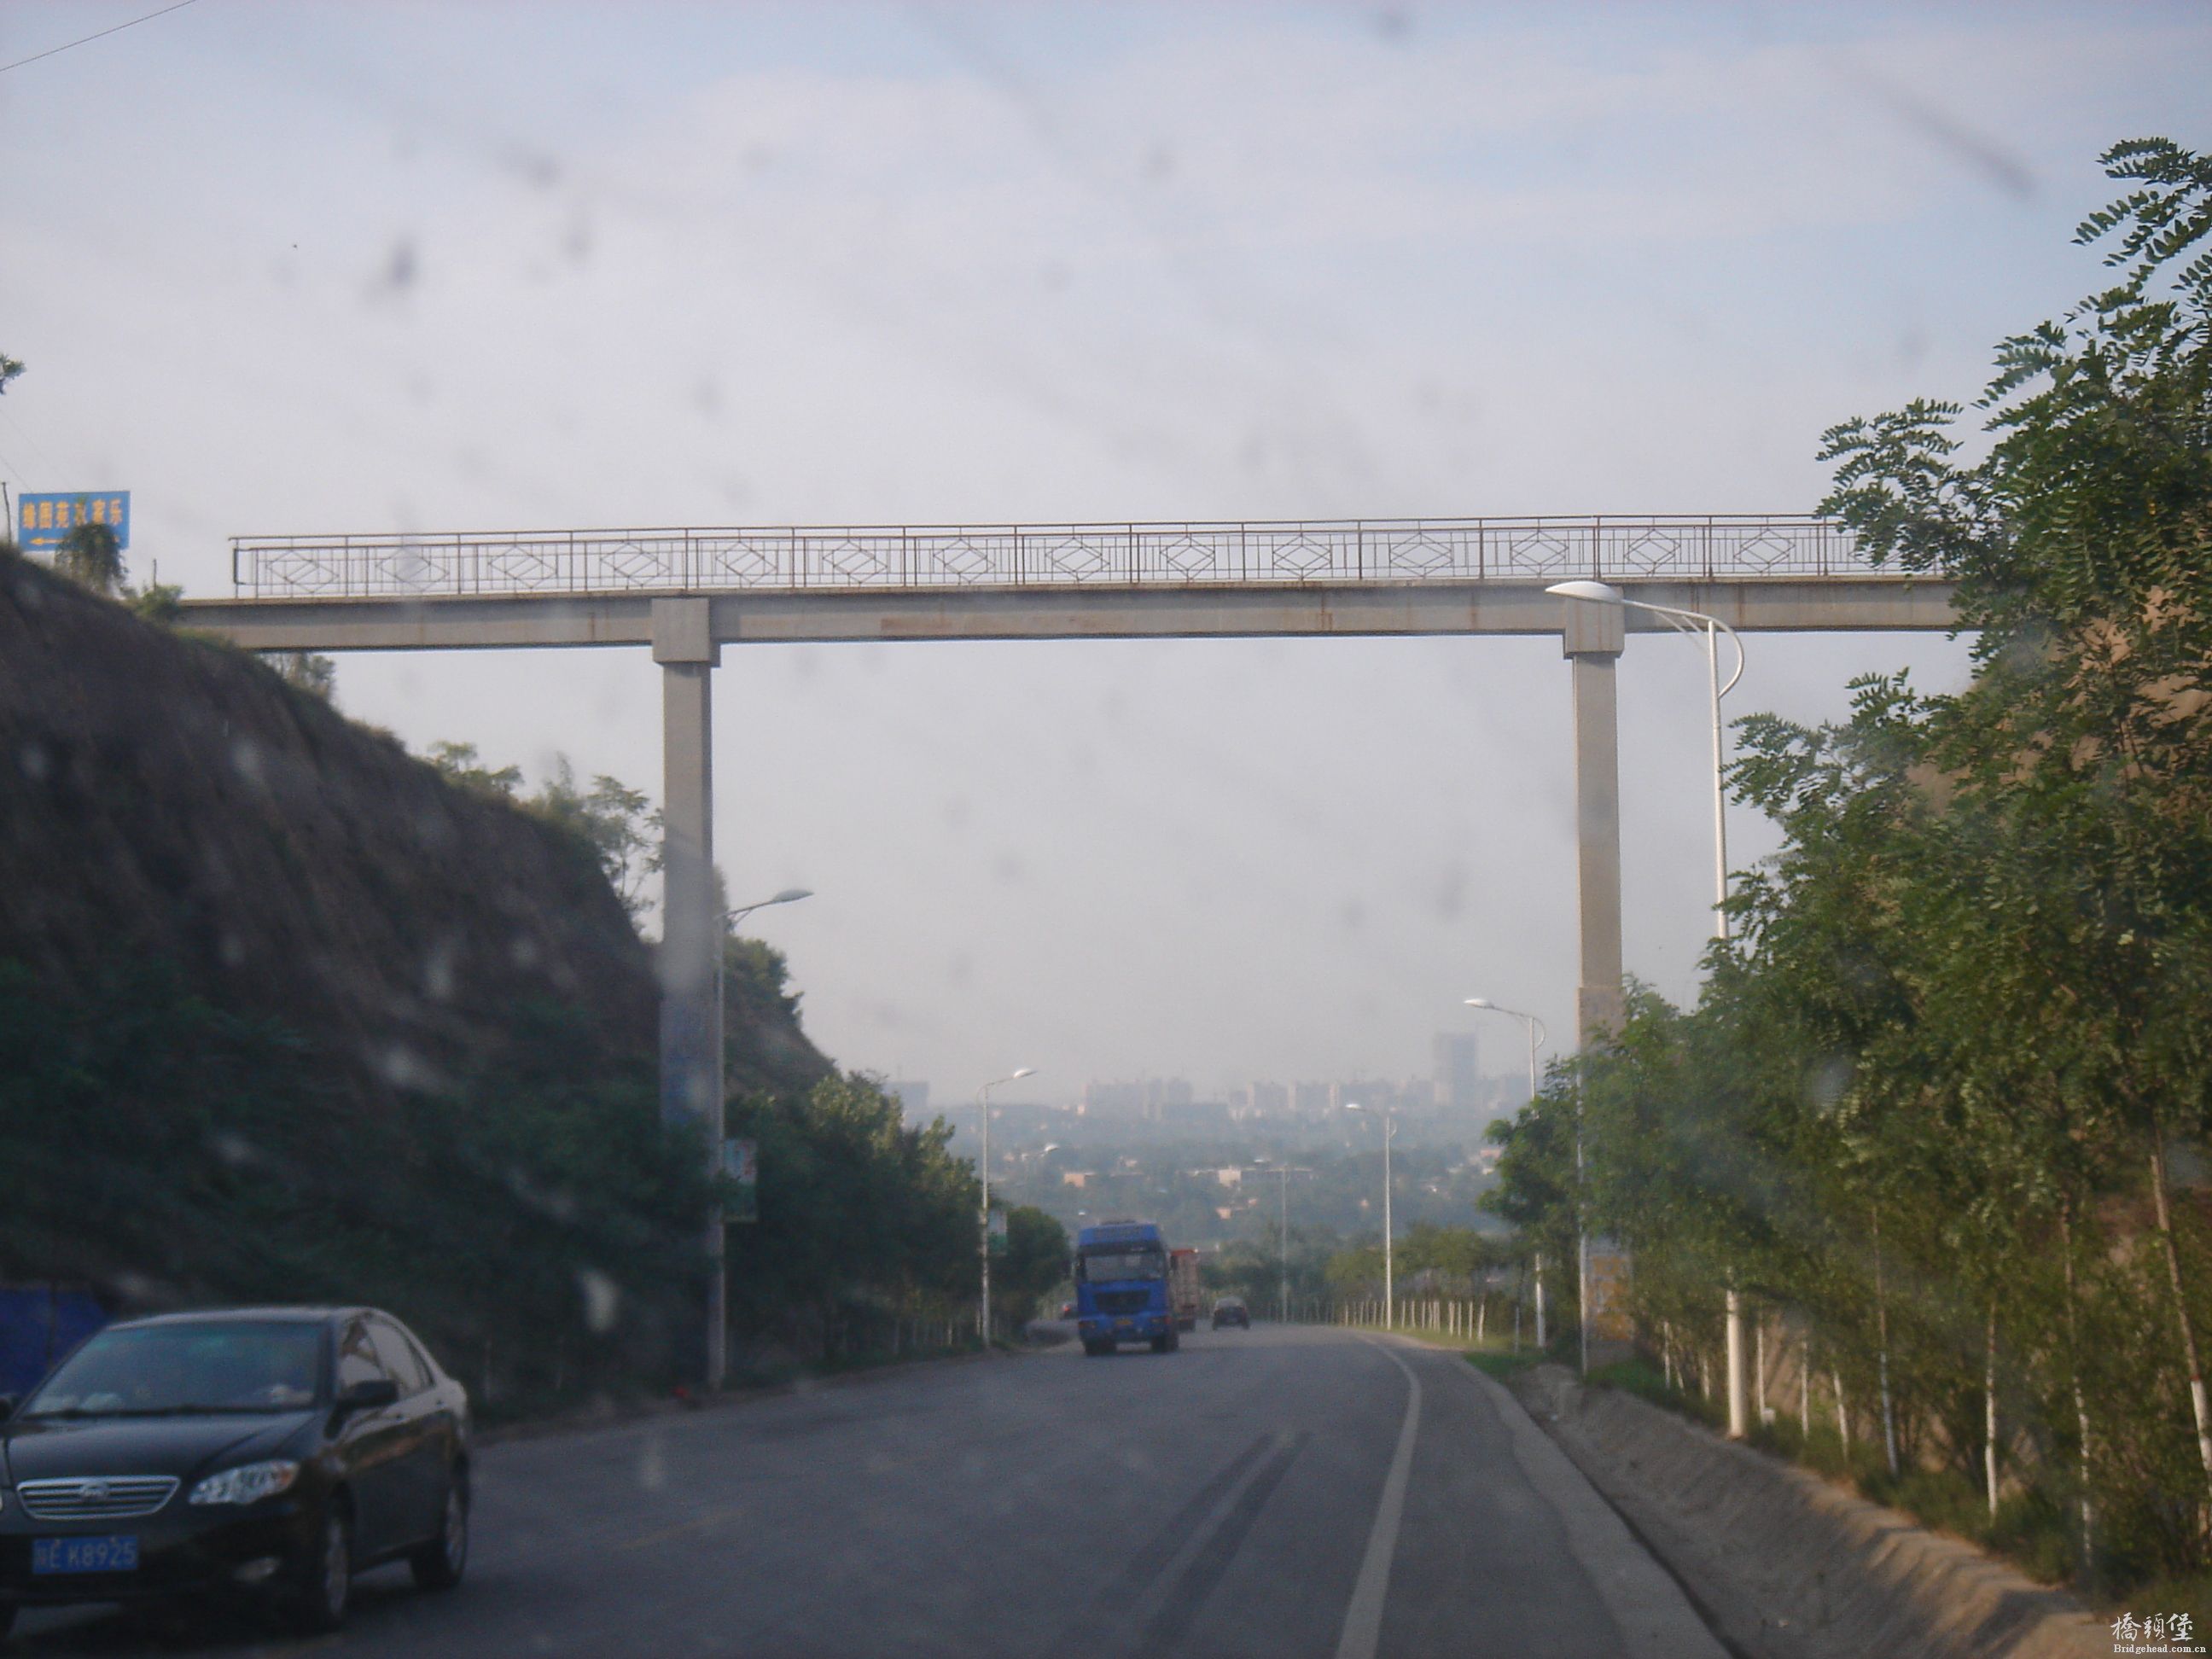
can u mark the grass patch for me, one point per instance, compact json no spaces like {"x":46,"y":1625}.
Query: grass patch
{"x":1503,"y":1364}
{"x":1640,"y":1378}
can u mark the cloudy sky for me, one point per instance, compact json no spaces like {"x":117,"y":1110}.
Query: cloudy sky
{"x":289,"y":268}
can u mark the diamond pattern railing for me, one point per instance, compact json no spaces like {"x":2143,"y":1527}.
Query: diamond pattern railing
{"x":1716,"y":547}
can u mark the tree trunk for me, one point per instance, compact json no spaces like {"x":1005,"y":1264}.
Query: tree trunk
{"x":1989,"y":1408}
{"x":2197,"y":1399}
{"x":1805,"y":1384}
{"x":2081,"y":1398}
{"x":1759,"y":1365}
{"x":1881,"y":1333}
{"x":1843,"y":1417}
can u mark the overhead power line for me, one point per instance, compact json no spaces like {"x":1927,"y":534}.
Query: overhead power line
{"x":102,"y":35}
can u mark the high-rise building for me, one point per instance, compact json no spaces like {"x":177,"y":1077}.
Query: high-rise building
{"x":1457,"y":1068}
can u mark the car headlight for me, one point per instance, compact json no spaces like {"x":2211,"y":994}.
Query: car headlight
{"x":249,"y":1483}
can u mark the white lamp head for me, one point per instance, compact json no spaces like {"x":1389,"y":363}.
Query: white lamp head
{"x":791,"y":895}
{"x":1596,"y":593}
{"x":1480,"y":1002}
{"x":1026,"y":1071}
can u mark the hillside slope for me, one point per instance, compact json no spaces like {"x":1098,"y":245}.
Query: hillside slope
{"x":284,"y":1014}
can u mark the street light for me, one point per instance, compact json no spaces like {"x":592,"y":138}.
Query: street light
{"x":717,"y":1152}
{"x":788,"y":896}
{"x":1389,"y":1116}
{"x":1283,"y":1172}
{"x":1692,"y":623}
{"x":1538,"y":1034}
{"x":983,"y":1100}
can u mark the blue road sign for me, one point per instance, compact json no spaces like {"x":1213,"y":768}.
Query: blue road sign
{"x":43,"y":518}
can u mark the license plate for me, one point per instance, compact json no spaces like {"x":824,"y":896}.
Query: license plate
{"x":118,"y":1552}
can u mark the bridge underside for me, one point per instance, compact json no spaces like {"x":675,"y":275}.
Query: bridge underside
{"x":1783,"y":605}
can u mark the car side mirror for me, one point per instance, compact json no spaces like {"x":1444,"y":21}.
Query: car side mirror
{"x":371,"y":1394}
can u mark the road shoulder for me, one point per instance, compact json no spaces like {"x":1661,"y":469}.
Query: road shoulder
{"x":1646,"y":1607}
{"x":1785,"y":1565}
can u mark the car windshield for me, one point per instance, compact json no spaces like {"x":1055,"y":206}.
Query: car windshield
{"x":1104,"y":1266}
{"x":847,"y":710}
{"x":148,"y":1369}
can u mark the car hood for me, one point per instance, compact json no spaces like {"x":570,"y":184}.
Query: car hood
{"x":57,"y":1448}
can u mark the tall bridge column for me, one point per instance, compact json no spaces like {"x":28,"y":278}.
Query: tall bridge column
{"x":1593,"y":638}
{"x":690,"y":959}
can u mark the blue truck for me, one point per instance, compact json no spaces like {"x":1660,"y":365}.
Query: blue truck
{"x":1121,"y":1288}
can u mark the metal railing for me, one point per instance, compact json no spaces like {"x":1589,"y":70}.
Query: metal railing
{"x":1709,"y":548}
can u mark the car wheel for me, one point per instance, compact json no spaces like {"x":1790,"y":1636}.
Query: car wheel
{"x":438,"y":1565}
{"x":325,"y":1588}
{"x":1098,"y":1350}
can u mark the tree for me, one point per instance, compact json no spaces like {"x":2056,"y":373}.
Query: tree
{"x":618,"y":822}
{"x":1034,"y":1262}
{"x":1933,"y":1094}
{"x":89,"y":555}
{"x":308,"y":670}
{"x":460,"y":764}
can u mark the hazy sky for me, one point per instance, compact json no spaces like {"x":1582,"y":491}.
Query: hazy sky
{"x":285,"y":268}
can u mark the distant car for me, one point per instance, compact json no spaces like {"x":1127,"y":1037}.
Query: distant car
{"x":1231,"y":1311}
{"x":276,"y":1451}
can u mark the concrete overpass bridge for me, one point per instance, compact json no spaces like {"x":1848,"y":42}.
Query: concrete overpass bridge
{"x":686,"y":592}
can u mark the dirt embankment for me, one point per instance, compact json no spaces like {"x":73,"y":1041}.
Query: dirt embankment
{"x":170,"y":798}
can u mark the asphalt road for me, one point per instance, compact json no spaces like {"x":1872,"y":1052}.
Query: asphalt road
{"x":1283,"y":1493}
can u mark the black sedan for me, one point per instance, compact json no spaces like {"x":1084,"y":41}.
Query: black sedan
{"x":276,"y":1451}
{"x":1231,"y":1311}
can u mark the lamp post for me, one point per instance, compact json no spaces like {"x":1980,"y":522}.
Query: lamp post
{"x":983,"y":1100}
{"x":1389,"y":1117}
{"x":1537,"y":1037}
{"x":1283,"y":1172}
{"x":1694,"y":622}
{"x":788,"y":896}
{"x":718,"y":1277}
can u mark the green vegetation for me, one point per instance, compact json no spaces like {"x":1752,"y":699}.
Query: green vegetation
{"x":615,"y":822}
{"x":1932,"y":1111}
{"x":89,"y":554}
{"x":530,"y":1219}
{"x":1503,"y":1364}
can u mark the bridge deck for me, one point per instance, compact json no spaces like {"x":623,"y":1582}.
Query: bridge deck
{"x":1758,"y":572}
{"x":1789,"y":605}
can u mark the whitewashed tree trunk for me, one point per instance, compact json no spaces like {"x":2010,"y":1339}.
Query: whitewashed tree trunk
{"x":1989,"y":1408}
{"x":2197,"y":1399}
{"x":1759,"y":1365}
{"x":2081,"y":1398}
{"x":1881,"y":1332}
{"x":1805,"y":1385}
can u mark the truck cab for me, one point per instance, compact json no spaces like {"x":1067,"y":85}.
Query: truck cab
{"x":1121,"y":1291}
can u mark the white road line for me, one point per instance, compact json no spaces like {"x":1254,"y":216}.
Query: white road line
{"x":1363,"y":1618}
